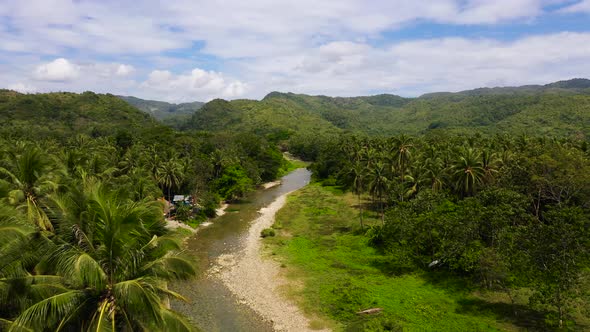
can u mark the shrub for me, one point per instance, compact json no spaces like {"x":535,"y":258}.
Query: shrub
{"x":267,"y":232}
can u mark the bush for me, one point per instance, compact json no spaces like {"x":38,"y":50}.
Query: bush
{"x":267,"y":232}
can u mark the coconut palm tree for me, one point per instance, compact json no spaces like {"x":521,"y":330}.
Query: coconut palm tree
{"x":378,"y":182}
{"x":357,"y":172}
{"x":114,"y":260}
{"x":170,"y":175}
{"x":468,"y":171}
{"x":31,"y":179}
{"x":402,"y":152}
{"x":433,"y":170}
{"x":491,"y":164}
{"x":21,"y":247}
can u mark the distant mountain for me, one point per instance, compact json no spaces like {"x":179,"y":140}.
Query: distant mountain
{"x":162,"y":110}
{"x":560,"y":108}
{"x":576,"y":85}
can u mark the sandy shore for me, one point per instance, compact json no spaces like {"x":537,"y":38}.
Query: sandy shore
{"x":269,"y":185}
{"x":257,"y":281}
{"x":173,"y":224}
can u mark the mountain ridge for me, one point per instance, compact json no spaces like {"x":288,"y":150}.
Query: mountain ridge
{"x":561,"y":108}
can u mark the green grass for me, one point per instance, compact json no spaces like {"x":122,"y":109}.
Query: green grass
{"x":336,"y":274}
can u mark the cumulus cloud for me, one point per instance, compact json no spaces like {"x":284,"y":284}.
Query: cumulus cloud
{"x":64,"y":70}
{"x":198,"y":84}
{"x":57,"y":70}
{"x":419,"y":66}
{"x":22,"y":88}
{"x":337,"y":47}
{"x":251,"y":28}
{"x":124,"y":70}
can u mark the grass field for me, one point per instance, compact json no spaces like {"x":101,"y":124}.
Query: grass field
{"x":336,"y":273}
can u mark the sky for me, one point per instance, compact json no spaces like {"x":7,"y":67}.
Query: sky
{"x":183,"y":50}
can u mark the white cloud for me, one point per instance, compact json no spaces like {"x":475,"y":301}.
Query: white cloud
{"x":196,"y":85}
{"x":124,"y":70}
{"x":22,"y":88}
{"x":335,"y":47}
{"x":250,"y":28}
{"x":416,"y":67}
{"x":57,"y":70}
{"x":580,"y":7}
{"x":64,"y":70}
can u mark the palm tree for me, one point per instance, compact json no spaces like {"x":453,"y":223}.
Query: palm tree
{"x":358,"y":171}
{"x":468,"y":172}
{"x":114,"y":263}
{"x":402,"y":152}
{"x":170,"y":175}
{"x":491,"y":164}
{"x":31,"y":180}
{"x":151,"y":161}
{"x":433,"y":170}
{"x":378,"y":184}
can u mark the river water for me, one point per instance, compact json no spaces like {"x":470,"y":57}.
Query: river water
{"x":212,"y":306}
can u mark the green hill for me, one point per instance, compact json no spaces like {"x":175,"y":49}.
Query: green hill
{"x":561,"y":108}
{"x":273,"y":116}
{"x":61,"y":114}
{"x":162,"y":110}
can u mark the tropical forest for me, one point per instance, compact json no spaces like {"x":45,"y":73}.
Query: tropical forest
{"x":294,"y":166}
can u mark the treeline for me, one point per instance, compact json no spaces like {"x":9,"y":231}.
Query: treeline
{"x":504,"y":213}
{"x":83,"y":242}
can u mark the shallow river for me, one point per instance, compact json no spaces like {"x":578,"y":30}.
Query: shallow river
{"x":212,"y":306}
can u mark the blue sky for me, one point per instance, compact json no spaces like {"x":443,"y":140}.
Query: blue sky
{"x":187,"y":50}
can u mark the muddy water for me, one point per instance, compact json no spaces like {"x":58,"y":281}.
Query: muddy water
{"x":212,"y":307}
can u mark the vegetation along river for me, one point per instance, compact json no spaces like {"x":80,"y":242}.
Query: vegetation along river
{"x":212,"y":306}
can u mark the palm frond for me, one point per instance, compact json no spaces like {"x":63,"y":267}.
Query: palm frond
{"x":79,"y":267}
{"x":175,"y":322}
{"x":171,"y":266}
{"x":139,"y":299}
{"x":48,"y":312}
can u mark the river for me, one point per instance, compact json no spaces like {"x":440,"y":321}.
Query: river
{"x":212,"y":306}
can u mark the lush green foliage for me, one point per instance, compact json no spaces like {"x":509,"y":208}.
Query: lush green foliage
{"x":82,"y":238}
{"x":319,"y":243}
{"x":59,"y":115}
{"x":505,"y":213}
{"x":560,"y":109}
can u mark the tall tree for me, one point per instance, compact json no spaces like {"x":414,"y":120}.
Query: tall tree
{"x":170,"y":175}
{"x":28,"y":172}
{"x":468,"y":171}
{"x":114,"y":264}
{"x":378,"y":182}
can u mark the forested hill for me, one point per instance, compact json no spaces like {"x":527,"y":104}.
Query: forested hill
{"x":162,"y":110}
{"x":63,"y":114}
{"x":274,"y":117}
{"x":561,"y":108}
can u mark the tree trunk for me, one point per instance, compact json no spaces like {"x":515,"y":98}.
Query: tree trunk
{"x":382,"y":212}
{"x":360,"y":210}
{"x":169,"y":202}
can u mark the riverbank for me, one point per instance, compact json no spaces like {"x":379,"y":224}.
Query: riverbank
{"x":258,"y":282}
{"x":335,"y":273}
